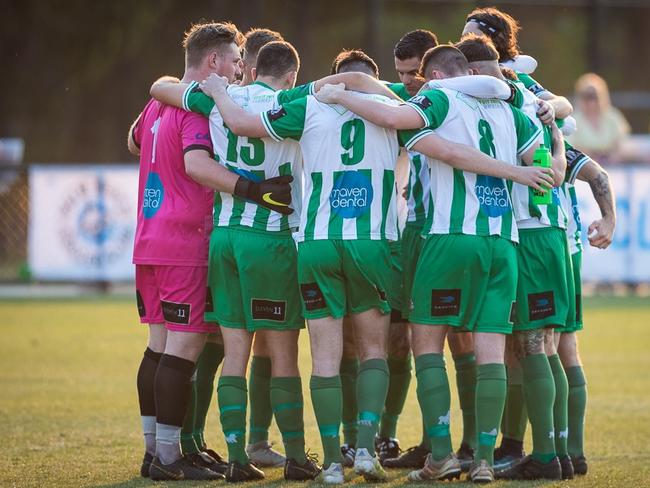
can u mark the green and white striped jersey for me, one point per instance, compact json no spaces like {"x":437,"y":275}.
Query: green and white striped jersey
{"x":349,"y":168}
{"x":575,"y":160}
{"x":560,"y":213}
{"x":417,"y":195}
{"x":531,"y":84}
{"x":528,"y":214}
{"x":254,"y":158}
{"x":417,"y":189}
{"x":463,"y":202}
{"x":574,"y":229}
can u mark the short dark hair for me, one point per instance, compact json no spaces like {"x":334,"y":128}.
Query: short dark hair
{"x":414,"y":44}
{"x":203,"y":38}
{"x":500,"y":27}
{"x":255,"y":38}
{"x":477,"y":48}
{"x":354,"y":60}
{"x":276,"y":59}
{"x":445,"y":58}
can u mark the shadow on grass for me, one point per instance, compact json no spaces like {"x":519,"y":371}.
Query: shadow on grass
{"x":397,"y":479}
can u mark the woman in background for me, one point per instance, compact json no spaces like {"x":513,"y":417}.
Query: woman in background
{"x":601,"y":127}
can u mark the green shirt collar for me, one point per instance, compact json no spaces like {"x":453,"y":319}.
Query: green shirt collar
{"x":264,"y":85}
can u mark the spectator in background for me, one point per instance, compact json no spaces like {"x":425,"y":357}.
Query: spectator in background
{"x":601,"y":127}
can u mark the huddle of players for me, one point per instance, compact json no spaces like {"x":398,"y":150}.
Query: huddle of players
{"x":467,"y":275}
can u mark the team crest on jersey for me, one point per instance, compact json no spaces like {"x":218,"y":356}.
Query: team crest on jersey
{"x":541,"y":305}
{"x":276,"y":113}
{"x":351,"y":195}
{"x":492,"y":195}
{"x":421,"y":101}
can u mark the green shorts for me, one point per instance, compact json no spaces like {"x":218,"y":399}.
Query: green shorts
{"x":253,"y":280}
{"x":412,"y":242}
{"x":576,"y":324}
{"x":395,"y":293}
{"x":466,"y":281}
{"x":545,"y":282}
{"x":341,"y":277}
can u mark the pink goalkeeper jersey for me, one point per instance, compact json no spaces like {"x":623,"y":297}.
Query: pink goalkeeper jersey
{"x":174,"y":211}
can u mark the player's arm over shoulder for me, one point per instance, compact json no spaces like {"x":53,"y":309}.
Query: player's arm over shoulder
{"x":133,"y":137}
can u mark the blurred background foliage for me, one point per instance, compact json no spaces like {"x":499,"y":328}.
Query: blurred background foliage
{"x":77,"y":72}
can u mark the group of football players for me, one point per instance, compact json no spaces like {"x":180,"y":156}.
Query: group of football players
{"x":282,"y":202}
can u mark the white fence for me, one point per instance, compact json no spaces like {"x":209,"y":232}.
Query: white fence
{"x":82,"y":222}
{"x":628,"y":258}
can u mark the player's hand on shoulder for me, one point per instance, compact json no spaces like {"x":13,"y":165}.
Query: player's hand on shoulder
{"x":214,"y":84}
{"x":329,"y":93}
{"x":273,"y":193}
{"x":545,"y":112}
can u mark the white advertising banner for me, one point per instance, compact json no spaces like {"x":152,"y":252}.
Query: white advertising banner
{"x":628,"y":258}
{"x":82,"y":221}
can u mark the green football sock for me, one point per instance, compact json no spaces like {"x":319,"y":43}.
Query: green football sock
{"x":372,"y":385}
{"x":398,"y":388}
{"x":560,"y":407}
{"x":286,"y":399}
{"x":188,"y":444}
{"x":515,"y":417}
{"x":466,"y":383}
{"x":231,"y":393}
{"x":435,"y":399}
{"x":327,"y":401}
{"x":349,"y":372}
{"x":259,"y":384}
{"x":577,"y":406}
{"x":206,"y":370}
{"x":490,"y":399}
{"x":539,"y":390}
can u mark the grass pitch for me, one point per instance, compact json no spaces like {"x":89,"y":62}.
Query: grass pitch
{"x":69,"y":411}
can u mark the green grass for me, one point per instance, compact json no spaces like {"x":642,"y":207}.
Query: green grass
{"x":69,"y":412}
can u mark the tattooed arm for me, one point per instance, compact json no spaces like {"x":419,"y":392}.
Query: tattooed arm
{"x":598,"y":179}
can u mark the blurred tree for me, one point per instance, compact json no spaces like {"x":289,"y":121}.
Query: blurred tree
{"x":77,"y":72}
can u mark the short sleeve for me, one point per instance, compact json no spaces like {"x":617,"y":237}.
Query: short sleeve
{"x":287,"y":96}
{"x":409,"y":138}
{"x":531,"y":84}
{"x":195,"y":134}
{"x":527,"y":132}
{"x":575,"y":160}
{"x":432,"y":106}
{"x":136,"y":131}
{"x":194,"y":100}
{"x":286,"y":121}
{"x":516,"y":96}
